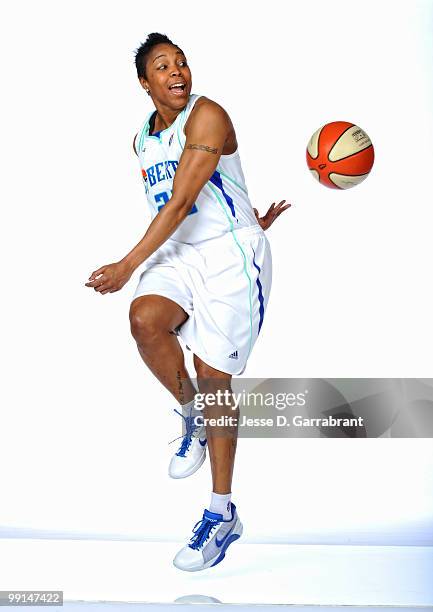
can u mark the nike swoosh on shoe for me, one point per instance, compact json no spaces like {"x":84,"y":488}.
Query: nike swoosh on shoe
{"x":219,"y":543}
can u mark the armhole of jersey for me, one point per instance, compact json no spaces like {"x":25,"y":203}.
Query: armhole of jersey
{"x":182,"y":134}
{"x":229,"y":155}
{"x":186,"y":116}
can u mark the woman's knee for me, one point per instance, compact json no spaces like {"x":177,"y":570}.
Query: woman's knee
{"x":145,"y":323}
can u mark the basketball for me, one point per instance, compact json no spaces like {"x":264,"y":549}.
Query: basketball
{"x":340,"y":155}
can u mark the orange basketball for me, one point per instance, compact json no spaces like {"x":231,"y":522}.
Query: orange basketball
{"x":340,"y":155}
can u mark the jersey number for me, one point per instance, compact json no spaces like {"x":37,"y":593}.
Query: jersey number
{"x":164,"y":197}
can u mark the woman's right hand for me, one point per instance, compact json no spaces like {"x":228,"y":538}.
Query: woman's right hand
{"x":110,"y":278}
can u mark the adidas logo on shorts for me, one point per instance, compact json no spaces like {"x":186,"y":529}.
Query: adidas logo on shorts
{"x":234,"y":355}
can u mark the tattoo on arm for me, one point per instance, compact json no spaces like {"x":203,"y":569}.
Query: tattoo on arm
{"x":202,"y":148}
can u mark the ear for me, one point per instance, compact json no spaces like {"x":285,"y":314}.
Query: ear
{"x":143,"y":83}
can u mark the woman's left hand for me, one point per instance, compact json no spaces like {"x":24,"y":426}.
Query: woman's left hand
{"x":274,"y":211}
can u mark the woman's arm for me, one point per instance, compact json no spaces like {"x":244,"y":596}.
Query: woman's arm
{"x":207,"y":131}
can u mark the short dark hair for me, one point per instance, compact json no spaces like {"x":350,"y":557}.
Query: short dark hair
{"x":145,"y":48}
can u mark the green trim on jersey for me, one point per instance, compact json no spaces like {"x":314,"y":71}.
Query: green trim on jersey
{"x":244,"y":258}
{"x":179,"y":132}
{"x":178,"y":136}
{"x":140,"y":140}
{"x":232,"y":180}
{"x":143,"y":132}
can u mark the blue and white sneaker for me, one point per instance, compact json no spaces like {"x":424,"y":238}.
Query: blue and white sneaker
{"x":207,"y":547}
{"x":192,"y":451}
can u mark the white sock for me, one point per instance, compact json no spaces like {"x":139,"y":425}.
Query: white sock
{"x":189,"y":410}
{"x":221,"y":504}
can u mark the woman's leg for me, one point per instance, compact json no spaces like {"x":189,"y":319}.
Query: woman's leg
{"x":221,"y":440}
{"x":153,"y":319}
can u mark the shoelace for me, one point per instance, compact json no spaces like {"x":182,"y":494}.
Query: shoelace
{"x":202,"y":531}
{"x":190,"y":428}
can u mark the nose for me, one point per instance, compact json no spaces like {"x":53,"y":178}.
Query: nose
{"x":175,"y":71}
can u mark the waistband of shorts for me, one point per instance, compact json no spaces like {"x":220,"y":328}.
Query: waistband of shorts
{"x":239,"y":233}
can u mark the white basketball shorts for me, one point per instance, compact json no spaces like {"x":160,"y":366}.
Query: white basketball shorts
{"x":223,"y":284}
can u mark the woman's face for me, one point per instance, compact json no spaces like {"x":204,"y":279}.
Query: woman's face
{"x":168,"y":77}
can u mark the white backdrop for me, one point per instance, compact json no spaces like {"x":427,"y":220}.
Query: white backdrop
{"x":84,"y":425}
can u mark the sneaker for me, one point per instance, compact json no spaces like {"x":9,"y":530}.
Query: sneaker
{"x":211,"y":538}
{"x":192,"y":451}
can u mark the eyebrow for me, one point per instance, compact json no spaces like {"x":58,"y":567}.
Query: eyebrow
{"x":165,"y":55}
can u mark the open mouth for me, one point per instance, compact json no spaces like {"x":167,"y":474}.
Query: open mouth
{"x":177,"y":88}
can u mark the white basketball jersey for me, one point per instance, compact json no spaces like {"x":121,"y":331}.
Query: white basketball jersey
{"x":221,"y":206}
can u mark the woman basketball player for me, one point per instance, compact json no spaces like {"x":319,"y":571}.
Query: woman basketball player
{"x":206,"y":277}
